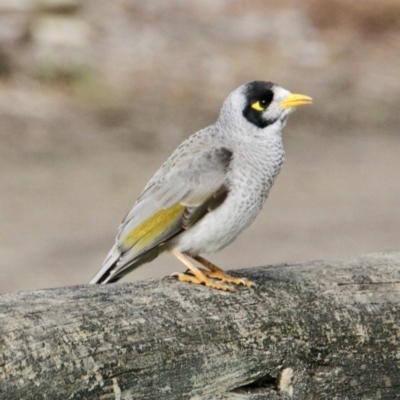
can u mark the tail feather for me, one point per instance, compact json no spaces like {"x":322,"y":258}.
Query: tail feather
{"x":113,"y":270}
{"x":108,"y":266}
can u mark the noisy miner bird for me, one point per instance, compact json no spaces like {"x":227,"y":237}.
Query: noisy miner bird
{"x":209,"y":190}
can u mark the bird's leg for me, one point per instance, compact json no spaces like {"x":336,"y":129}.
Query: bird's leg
{"x":218,"y":273}
{"x":198,"y":275}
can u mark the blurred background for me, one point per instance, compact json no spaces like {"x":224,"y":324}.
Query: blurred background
{"x":94,"y":96}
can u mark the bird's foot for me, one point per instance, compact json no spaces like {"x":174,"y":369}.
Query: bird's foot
{"x":203,"y":280}
{"x":207,"y":277}
{"x":217,"y":273}
{"x":224,"y":277}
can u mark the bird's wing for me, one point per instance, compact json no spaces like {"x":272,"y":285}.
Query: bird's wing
{"x":173,"y":201}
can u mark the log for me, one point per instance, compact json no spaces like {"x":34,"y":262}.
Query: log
{"x":313,"y":330}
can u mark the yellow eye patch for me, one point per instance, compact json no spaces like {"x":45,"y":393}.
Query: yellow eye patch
{"x":257,"y":106}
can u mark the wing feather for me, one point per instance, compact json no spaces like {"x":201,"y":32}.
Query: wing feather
{"x":174,"y":200}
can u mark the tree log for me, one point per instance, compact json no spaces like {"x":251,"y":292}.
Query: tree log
{"x":313,"y":330}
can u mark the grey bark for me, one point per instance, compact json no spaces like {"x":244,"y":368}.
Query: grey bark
{"x":315,"y":330}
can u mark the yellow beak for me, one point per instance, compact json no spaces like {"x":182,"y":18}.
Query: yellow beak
{"x":294,"y":100}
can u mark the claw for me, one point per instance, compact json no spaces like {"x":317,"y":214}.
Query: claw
{"x":246,"y":282}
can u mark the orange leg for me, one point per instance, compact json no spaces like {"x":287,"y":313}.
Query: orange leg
{"x":198,"y":274}
{"x":218,"y":273}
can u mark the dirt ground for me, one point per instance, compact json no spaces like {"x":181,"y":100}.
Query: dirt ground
{"x":336,"y":195}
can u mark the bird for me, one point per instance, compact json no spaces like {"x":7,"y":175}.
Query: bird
{"x":209,"y":190}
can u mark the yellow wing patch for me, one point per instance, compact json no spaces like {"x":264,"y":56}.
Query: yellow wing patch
{"x":154,"y":226}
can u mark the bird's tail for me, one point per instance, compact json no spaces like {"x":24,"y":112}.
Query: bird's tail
{"x":114,"y":268}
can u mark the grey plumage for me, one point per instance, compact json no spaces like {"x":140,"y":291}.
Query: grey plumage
{"x":212,"y":186}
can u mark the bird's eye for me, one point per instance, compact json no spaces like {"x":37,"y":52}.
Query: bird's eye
{"x":257,"y":105}
{"x":262,"y":104}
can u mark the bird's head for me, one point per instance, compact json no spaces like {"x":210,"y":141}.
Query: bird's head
{"x":260,"y":104}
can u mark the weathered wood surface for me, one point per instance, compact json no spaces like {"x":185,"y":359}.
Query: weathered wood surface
{"x":316,"y":330}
